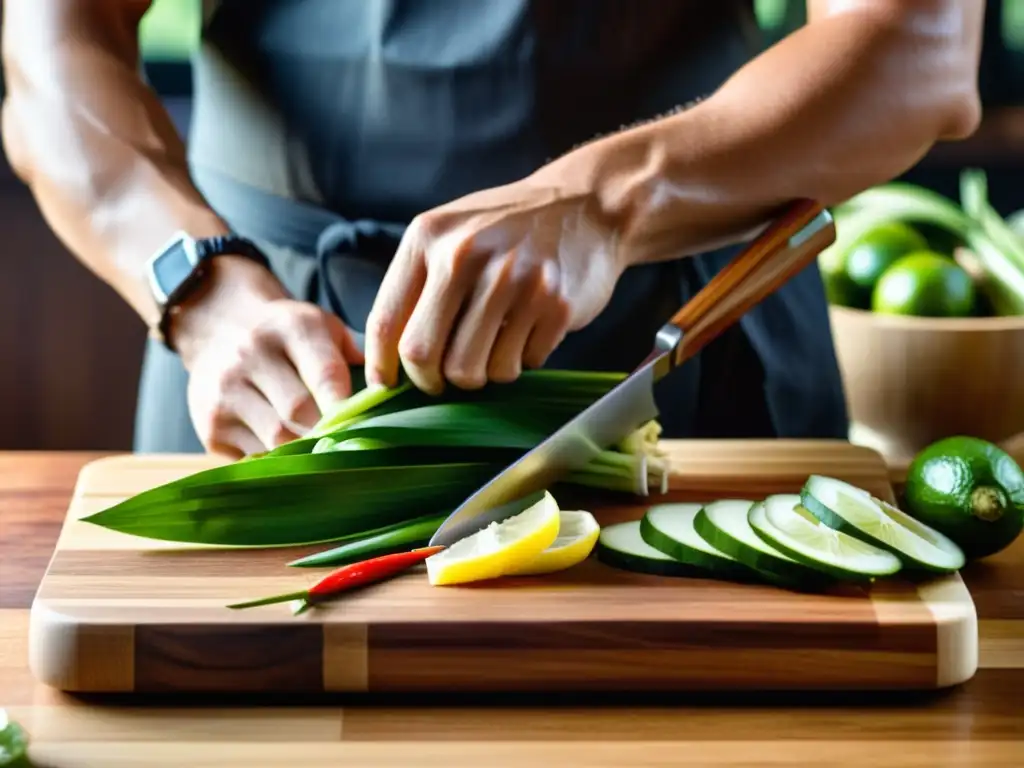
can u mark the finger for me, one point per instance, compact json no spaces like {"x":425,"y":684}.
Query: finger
{"x":506,"y":359}
{"x":234,"y":440}
{"x":260,"y":417}
{"x":398,"y":294}
{"x":547,"y":334}
{"x":279,"y":382}
{"x":425,"y":339}
{"x":467,"y":357}
{"x":313,"y":347}
{"x":540,"y":307}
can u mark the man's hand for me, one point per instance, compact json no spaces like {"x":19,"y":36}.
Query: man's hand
{"x":262,"y":366}
{"x":489,"y":284}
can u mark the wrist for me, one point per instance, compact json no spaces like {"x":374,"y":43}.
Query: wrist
{"x":618,"y":177}
{"x":669,"y":188}
{"x":232,"y":288}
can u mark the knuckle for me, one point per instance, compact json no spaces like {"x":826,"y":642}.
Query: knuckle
{"x":504,"y":372}
{"x":426,"y":225}
{"x":305,"y":319}
{"x":332,"y":370}
{"x":297,"y":408}
{"x":547,"y":284}
{"x":414,"y":351}
{"x":233,"y":373}
{"x":219,"y":421}
{"x":463,"y":376}
{"x":508,"y":272}
{"x":281,"y":433}
{"x":460,"y":258}
{"x":381,"y":325}
{"x":260,"y":338}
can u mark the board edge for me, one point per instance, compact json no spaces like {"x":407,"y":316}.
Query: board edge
{"x":956,"y":626}
{"x":58,"y":643}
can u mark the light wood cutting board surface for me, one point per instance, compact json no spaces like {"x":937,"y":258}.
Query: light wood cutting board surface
{"x":117,"y":613}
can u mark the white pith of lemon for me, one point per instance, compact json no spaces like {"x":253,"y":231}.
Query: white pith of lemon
{"x":498,"y":549}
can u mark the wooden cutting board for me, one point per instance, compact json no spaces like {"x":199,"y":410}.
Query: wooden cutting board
{"x":117,"y":613}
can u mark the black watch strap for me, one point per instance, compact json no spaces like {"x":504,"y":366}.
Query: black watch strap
{"x":179,"y":267}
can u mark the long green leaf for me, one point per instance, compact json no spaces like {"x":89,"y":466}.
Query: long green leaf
{"x":439,"y":450}
{"x":456,"y":424}
{"x":361,"y":500}
{"x":269,"y":473}
{"x":567,"y":392}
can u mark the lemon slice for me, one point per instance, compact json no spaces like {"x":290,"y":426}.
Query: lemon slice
{"x":498,"y":549}
{"x":577,"y":535}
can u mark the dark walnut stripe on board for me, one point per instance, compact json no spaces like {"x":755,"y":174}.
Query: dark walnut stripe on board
{"x":282,"y":658}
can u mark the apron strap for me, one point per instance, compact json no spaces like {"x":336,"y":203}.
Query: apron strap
{"x":351,"y":256}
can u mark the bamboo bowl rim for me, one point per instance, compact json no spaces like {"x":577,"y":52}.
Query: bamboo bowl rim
{"x":946,"y":324}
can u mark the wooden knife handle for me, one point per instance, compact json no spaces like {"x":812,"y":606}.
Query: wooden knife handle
{"x":758,"y":271}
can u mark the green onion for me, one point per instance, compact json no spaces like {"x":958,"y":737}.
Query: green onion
{"x":384,"y":541}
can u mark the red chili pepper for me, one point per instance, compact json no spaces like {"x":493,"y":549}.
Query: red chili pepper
{"x":350,"y":576}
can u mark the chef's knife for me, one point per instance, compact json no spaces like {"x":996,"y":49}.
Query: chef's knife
{"x":783,"y":249}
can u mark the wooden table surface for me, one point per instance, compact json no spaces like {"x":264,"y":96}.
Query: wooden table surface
{"x":978,"y":724}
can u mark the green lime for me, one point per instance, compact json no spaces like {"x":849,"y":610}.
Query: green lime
{"x":925,"y":284}
{"x":850,"y":276}
{"x":13,"y":743}
{"x":970,"y":490}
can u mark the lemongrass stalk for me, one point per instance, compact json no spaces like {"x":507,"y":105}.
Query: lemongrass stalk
{"x":642,"y":440}
{"x":616,"y":471}
{"x":355,"y":405}
{"x":616,"y":460}
{"x":330,"y":444}
{"x":658,"y":473}
{"x":603,"y":480}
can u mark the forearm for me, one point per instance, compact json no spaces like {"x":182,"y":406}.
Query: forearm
{"x":851,"y":100}
{"x":93,"y":142}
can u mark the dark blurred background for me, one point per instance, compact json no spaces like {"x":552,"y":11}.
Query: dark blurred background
{"x":70,"y":351}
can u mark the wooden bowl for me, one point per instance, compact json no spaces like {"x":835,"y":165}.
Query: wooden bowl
{"x":910,"y":381}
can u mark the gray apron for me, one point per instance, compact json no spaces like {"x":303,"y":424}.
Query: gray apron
{"x":322,"y":127}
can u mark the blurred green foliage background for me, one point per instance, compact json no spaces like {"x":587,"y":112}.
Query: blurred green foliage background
{"x":170,"y":30}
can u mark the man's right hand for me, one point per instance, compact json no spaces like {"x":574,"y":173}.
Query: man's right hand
{"x":263,"y":367}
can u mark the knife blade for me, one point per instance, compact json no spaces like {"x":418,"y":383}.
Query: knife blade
{"x":777,"y":254}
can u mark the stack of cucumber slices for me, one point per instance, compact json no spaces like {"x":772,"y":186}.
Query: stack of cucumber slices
{"x":829,"y":532}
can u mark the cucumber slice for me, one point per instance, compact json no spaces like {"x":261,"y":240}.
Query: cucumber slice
{"x":854,"y":511}
{"x":621,"y":546}
{"x":784,"y":523}
{"x":669,"y":529}
{"x":724,"y":525}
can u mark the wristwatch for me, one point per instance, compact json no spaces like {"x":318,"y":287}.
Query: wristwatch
{"x":177,"y":269}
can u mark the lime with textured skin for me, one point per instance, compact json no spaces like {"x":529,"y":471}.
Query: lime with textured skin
{"x":925,"y":284}
{"x":970,"y":490}
{"x":850,"y":275}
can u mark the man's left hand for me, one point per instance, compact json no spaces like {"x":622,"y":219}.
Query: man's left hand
{"x":488,"y":285}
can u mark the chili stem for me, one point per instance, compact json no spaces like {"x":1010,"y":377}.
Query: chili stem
{"x":271,"y":600}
